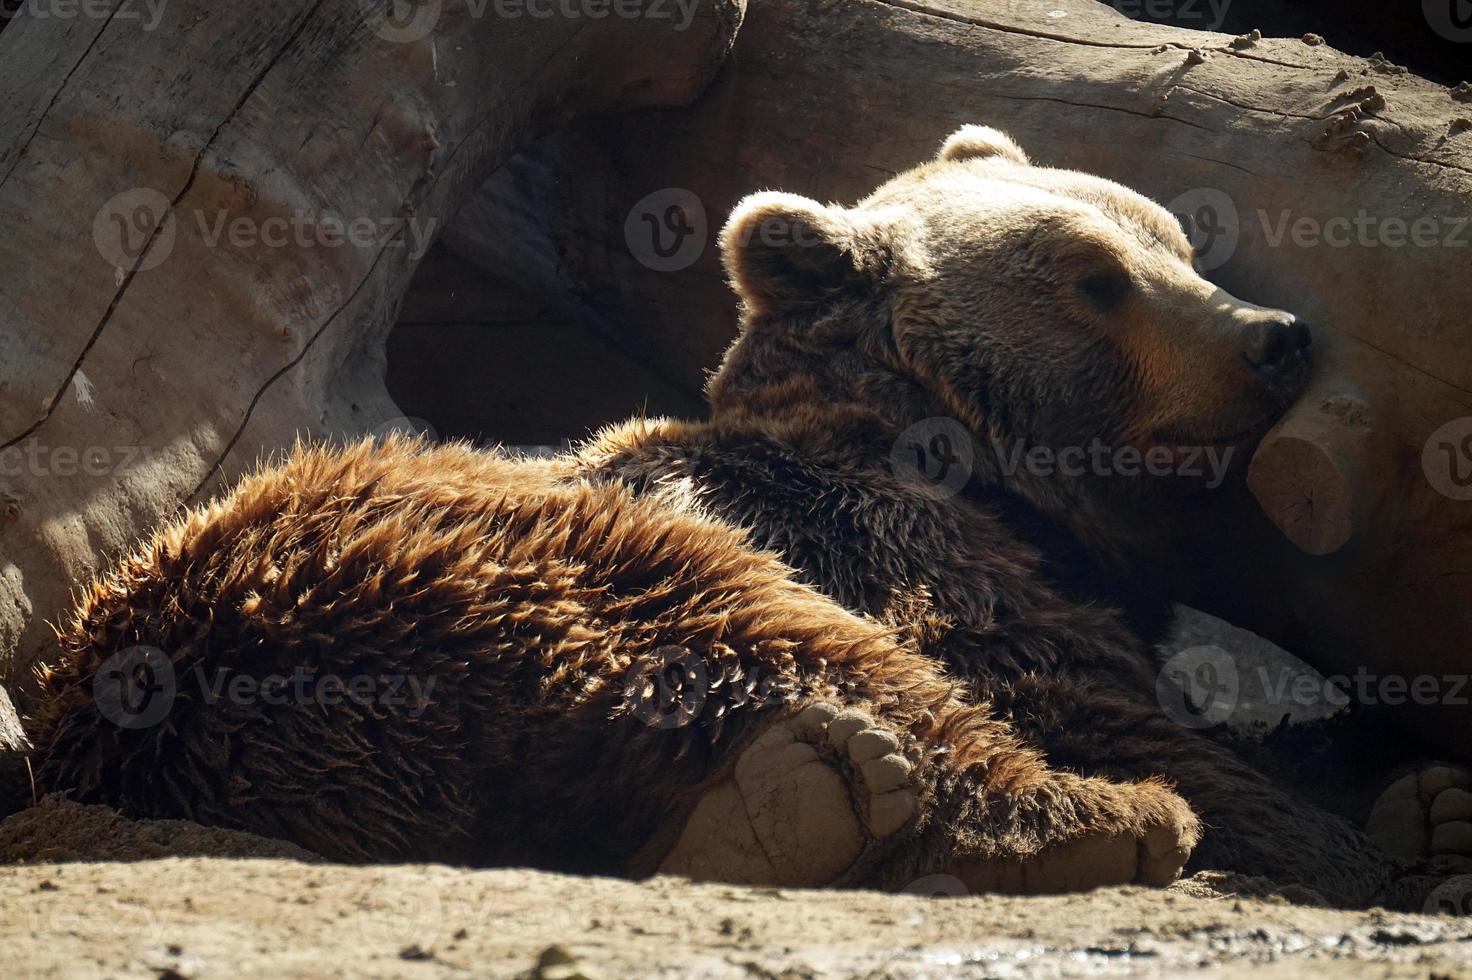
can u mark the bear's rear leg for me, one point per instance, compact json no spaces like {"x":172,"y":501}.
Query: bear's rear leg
{"x":834,"y":796}
{"x":1256,"y":827}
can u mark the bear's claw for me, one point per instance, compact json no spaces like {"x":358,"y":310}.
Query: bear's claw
{"x":804,"y":803}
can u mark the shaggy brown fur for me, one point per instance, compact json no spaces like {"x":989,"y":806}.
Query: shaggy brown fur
{"x":541,"y":610}
{"x":992,"y":638}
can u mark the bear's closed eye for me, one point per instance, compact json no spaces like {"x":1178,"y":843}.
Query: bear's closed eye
{"x":1106,"y":290}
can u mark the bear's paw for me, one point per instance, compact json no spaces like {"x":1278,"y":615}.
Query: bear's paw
{"x":1427,"y":814}
{"x":807,"y":799}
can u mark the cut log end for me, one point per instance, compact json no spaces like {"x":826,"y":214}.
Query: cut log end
{"x":1304,"y":492}
{"x":1308,"y":474}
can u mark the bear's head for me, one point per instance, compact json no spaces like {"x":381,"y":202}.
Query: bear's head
{"x":1036,"y":307}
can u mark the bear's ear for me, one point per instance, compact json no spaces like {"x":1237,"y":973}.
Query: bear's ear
{"x":786,"y":252}
{"x":980,"y":142}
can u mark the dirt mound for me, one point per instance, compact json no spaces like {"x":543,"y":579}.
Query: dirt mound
{"x":60,"y":831}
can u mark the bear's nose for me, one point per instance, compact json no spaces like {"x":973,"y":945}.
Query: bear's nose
{"x":1277,"y":346}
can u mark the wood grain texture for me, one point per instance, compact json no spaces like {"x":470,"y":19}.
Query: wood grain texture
{"x":206,"y":228}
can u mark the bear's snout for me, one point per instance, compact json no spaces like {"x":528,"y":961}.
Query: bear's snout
{"x":1278,"y":348}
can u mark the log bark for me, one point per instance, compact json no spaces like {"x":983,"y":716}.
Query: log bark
{"x":828,"y":100}
{"x":207,"y":225}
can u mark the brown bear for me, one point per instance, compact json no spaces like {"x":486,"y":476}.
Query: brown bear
{"x":833,"y":635}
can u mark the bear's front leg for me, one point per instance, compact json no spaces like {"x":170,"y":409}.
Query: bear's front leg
{"x":1096,"y":725}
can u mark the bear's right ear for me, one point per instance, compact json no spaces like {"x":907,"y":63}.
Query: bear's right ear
{"x":786,"y":252}
{"x":979,"y":143}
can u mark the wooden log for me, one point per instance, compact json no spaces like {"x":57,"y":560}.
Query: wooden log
{"x":207,"y":224}
{"x":1320,"y":166}
{"x":1311,"y":473}
{"x":15,"y":783}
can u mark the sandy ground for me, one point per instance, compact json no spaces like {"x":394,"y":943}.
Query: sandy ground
{"x":96,"y":898}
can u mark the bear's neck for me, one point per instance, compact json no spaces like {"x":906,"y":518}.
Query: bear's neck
{"x":842,"y":405}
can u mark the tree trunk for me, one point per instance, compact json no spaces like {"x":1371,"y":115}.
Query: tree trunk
{"x":207,"y":224}
{"x":1278,"y":147}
